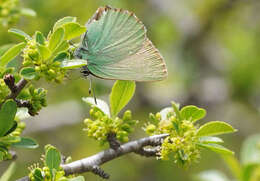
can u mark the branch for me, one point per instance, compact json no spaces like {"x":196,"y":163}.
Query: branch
{"x":92,"y":163}
{"x":86,"y":164}
{"x":14,"y":88}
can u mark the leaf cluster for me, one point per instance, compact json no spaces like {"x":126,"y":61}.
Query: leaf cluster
{"x":186,"y":138}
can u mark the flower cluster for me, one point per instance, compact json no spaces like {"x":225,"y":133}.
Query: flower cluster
{"x":43,"y":67}
{"x":182,"y":142}
{"x":102,"y":125}
{"x":9,"y":11}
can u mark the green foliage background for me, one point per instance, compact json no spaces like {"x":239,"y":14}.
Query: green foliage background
{"x":212,"y":53}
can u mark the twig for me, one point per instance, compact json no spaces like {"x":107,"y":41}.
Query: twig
{"x":148,"y":152}
{"x":15,"y":88}
{"x":92,"y":163}
{"x":86,"y":164}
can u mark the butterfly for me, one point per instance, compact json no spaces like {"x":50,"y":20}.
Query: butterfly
{"x":116,"y":47}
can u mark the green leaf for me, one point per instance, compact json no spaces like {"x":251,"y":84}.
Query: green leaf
{"x":12,"y":129}
{"x":56,"y":38}
{"x":4,"y":48}
{"x":210,"y":175}
{"x":20,"y":34}
{"x":28,"y":73}
{"x":216,"y":148}
{"x":10,"y":139}
{"x":37,"y":174}
{"x":79,"y":178}
{"x":7,"y":115}
{"x":28,"y":12}
{"x":52,"y":158}
{"x":192,"y":113}
{"x":233,"y":165}
{"x":9,"y":172}
{"x":101,"y":105}
{"x":215,"y":128}
{"x":250,"y":152}
{"x":210,"y":139}
{"x":61,"y":56}
{"x":74,"y":63}
{"x":73,"y":30}
{"x":26,"y":143}
{"x":44,"y":51}
{"x":248,"y":171}
{"x":176,"y":108}
{"x":63,"y":21}
{"x":11,"y":54}
{"x":62,"y":47}
{"x":122,"y":92}
{"x":39,"y":38}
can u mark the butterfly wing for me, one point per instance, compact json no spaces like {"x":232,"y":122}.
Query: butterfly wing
{"x":113,"y":34}
{"x":119,"y":49}
{"x":146,"y":65}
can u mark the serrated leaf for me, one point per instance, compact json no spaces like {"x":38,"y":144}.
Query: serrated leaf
{"x":39,"y":38}
{"x":79,"y":178}
{"x":73,"y":30}
{"x":250,"y":152}
{"x":9,"y":172}
{"x":216,"y":148}
{"x":20,"y":34}
{"x":122,"y":92}
{"x":11,"y":54}
{"x":61,"y":56}
{"x":210,"y":139}
{"x":63,"y":21}
{"x":28,"y":12}
{"x":74,"y":63}
{"x":210,"y":175}
{"x":192,"y":113}
{"x":26,"y":143}
{"x":44,"y":51}
{"x":28,"y":73}
{"x":215,"y":128}
{"x":7,"y":115}
{"x":52,"y":159}
{"x":56,"y":38}
{"x":101,"y":105}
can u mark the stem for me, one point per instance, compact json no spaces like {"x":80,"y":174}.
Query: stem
{"x":92,"y":163}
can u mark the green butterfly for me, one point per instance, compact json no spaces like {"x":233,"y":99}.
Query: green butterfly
{"x":116,"y":47}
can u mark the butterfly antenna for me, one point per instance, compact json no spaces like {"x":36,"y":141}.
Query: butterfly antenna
{"x":91,"y":89}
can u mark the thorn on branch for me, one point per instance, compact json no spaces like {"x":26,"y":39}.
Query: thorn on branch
{"x":148,"y":152}
{"x":98,"y":171}
{"x":113,"y":142}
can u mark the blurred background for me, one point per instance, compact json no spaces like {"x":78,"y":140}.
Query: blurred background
{"x":212,"y":51}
